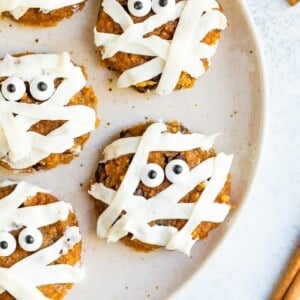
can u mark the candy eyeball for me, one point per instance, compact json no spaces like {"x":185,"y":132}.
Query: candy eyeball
{"x":42,"y":88}
{"x":177,"y":170}
{"x":13,"y":88}
{"x":163,"y":6}
{"x":139,"y":8}
{"x":30,"y":239}
{"x":152,"y":175}
{"x":8,"y":244}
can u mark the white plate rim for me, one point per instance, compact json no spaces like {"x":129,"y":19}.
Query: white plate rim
{"x":236,"y":218}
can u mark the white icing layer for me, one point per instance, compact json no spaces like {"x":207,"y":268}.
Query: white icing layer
{"x":170,"y":58}
{"x":114,"y":225}
{"x":22,"y":148}
{"x":22,"y":279}
{"x":19,"y":7}
{"x":12,"y":216}
{"x":167,"y":142}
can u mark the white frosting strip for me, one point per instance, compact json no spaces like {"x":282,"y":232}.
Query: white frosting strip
{"x":33,"y":65}
{"x":13,"y":217}
{"x":165,"y":205}
{"x":181,"y":44}
{"x":183,"y":53}
{"x":115,"y":9}
{"x":167,"y":142}
{"x":54,"y":274}
{"x":17,"y":118}
{"x":22,"y":279}
{"x":10,"y":203}
{"x":101,"y":192}
{"x":39,"y":112}
{"x":16,"y":141}
{"x":50,"y":143}
{"x":149,"y":70}
{"x":18,"y":288}
{"x":43,"y":214}
{"x":19,"y":7}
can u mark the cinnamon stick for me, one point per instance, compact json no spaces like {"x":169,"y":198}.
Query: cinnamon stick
{"x":293,"y":293}
{"x":289,"y":279}
{"x":293,"y":2}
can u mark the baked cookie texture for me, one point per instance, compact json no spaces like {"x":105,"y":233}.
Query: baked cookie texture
{"x":40,"y":244}
{"x":40,"y":13}
{"x":47,"y":111}
{"x":159,"y":185}
{"x":162,"y":44}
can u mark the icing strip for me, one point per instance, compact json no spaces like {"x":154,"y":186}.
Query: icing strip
{"x":182,"y":40}
{"x":13,"y":217}
{"x":165,"y":205}
{"x":167,"y":142}
{"x":33,"y":65}
{"x":149,"y":70}
{"x":115,"y":9}
{"x":19,"y":7}
{"x":193,"y":26}
{"x":17,"y":118}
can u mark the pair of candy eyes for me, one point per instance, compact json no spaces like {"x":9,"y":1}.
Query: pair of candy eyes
{"x":153,"y":175}
{"x":41,"y":88}
{"x":30,"y":239}
{"x":140,"y":8}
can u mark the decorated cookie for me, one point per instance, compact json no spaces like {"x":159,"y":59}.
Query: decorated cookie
{"x":46,"y":111}
{"x":158,"y":44}
{"x":40,"y":244}
{"x":40,"y":12}
{"x":159,"y":185}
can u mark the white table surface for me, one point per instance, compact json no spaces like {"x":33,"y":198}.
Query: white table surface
{"x":251,"y":259}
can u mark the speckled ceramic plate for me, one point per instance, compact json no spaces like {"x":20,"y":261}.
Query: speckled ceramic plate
{"x":229,"y":99}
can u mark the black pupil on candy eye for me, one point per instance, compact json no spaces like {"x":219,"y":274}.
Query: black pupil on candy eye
{"x":29,"y":239}
{"x":3,"y":245}
{"x":152,"y":174}
{"x":163,"y":3}
{"x":11,"y":88}
{"x":177,"y":169}
{"x":42,"y":86}
{"x":138,"y":5}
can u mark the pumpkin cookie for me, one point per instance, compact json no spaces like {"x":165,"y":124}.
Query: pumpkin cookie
{"x":40,"y":244}
{"x":158,"y":185}
{"x":40,"y":13}
{"x":159,"y":44}
{"x":46,"y":111}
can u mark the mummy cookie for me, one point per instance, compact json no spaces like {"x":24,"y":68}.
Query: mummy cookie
{"x":40,"y":13}
{"x":159,"y":185}
{"x":158,"y":44}
{"x":46,"y":111}
{"x":40,"y":244}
